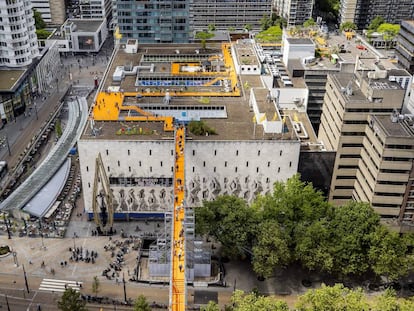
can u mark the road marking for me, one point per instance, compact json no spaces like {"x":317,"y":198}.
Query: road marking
{"x":53,"y":285}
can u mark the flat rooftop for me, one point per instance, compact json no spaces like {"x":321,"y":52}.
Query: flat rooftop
{"x":394,"y":129}
{"x":89,"y":25}
{"x":166,"y":64}
{"x":9,"y":78}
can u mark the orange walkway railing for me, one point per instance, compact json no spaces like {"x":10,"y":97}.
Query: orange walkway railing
{"x":178,"y":297}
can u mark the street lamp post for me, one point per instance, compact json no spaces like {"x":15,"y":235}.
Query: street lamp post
{"x":7,"y":226}
{"x":25,"y":280}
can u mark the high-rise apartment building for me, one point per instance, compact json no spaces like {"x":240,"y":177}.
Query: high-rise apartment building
{"x":154,"y":21}
{"x":362,"y":12}
{"x":95,"y":9}
{"x":296,"y":12}
{"x":53,"y":11}
{"x":229,"y":14}
{"x":405,"y":45}
{"x":384,"y":176}
{"x":348,"y":101}
{"x":18,"y":40}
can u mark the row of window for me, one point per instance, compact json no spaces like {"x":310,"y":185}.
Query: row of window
{"x":194,"y":153}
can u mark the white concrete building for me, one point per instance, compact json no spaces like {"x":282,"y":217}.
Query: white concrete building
{"x":18,"y":40}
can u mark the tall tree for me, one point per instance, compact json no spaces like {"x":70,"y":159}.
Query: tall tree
{"x":204,"y":36}
{"x":350,"y":228}
{"x":333,"y":298}
{"x":388,"y":301}
{"x":347,"y":26}
{"x":95,"y":285}
{"x":375,"y":23}
{"x":309,"y":23}
{"x":389,"y":31}
{"x":389,"y":254}
{"x":271,"y":249}
{"x":39,"y":22}
{"x":71,"y":301}
{"x":141,"y":304}
{"x":253,"y":302}
{"x":230,"y":221}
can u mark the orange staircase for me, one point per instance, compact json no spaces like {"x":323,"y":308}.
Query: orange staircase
{"x":178,"y":290}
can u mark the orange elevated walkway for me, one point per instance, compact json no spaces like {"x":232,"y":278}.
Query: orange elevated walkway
{"x":108,"y":107}
{"x":178,"y":293}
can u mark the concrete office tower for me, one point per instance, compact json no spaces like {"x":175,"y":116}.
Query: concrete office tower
{"x":348,"y":101}
{"x":95,"y":9}
{"x":53,"y":11}
{"x":296,"y":12}
{"x":384,"y":176}
{"x":228,"y":14}
{"x":405,"y":45}
{"x":362,"y":12}
{"x":153,"y":21}
{"x":18,"y":40}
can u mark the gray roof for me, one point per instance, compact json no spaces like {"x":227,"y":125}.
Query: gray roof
{"x":46,"y":197}
{"x":90,"y":25}
{"x":300,"y":41}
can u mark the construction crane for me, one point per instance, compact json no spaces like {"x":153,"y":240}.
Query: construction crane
{"x":102,"y":203}
{"x":178,"y":284}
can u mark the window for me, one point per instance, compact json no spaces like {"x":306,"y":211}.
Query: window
{"x":89,"y":184}
{"x":129,"y":168}
{"x":161,"y":163}
{"x":215,"y":152}
{"x":278,"y":169}
{"x":237,"y":152}
{"x":290,"y":164}
{"x":268,"y":164}
{"x":204,"y":163}
{"x":151,"y":169}
{"x":280,"y":152}
{"x":235,"y":169}
{"x":247,"y":163}
{"x":214,"y":169}
{"x":267,"y":180}
{"x":172,"y":152}
{"x":119,"y":163}
{"x":193,"y":169}
{"x":87,"y":168}
{"x":257,"y":169}
{"x":139,"y":163}
{"x":109,"y":169}
{"x":150,"y":152}
{"x":193,"y":152}
{"x":107,"y":152}
{"x":225,"y":163}
{"x":258,"y":152}
{"x":129,"y":152}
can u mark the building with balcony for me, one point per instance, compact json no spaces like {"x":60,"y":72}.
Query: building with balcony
{"x":153,"y":21}
{"x":349,"y":100}
{"x":385,"y":172}
{"x":405,"y":45}
{"x":362,"y":12}
{"x":18,"y":40}
{"x":53,"y":11}
{"x":296,"y":12}
{"x":225,"y":15}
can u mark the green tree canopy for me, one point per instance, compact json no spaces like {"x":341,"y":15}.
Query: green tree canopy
{"x":141,"y":304}
{"x":347,"y":26}
{"x":271,"y":249}
{"x":389,"y":254}
{"x":39,"y":22}
{"x":309,"y":23}
{"x":375,"y":23}
{"x":204,"y":36}
{"x":230,"y":221}
{"x":253,"y":302}
{"x":200,"y":128}
{"x":388,"y":31}
{"x":71,"y":301}
{"x":211,"y":306}
{"x":333,"y":298}
{"x":350,"y":227}
{"x":42,"y":34}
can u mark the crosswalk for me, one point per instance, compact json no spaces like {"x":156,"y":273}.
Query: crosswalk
{"x":53,"y":285}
